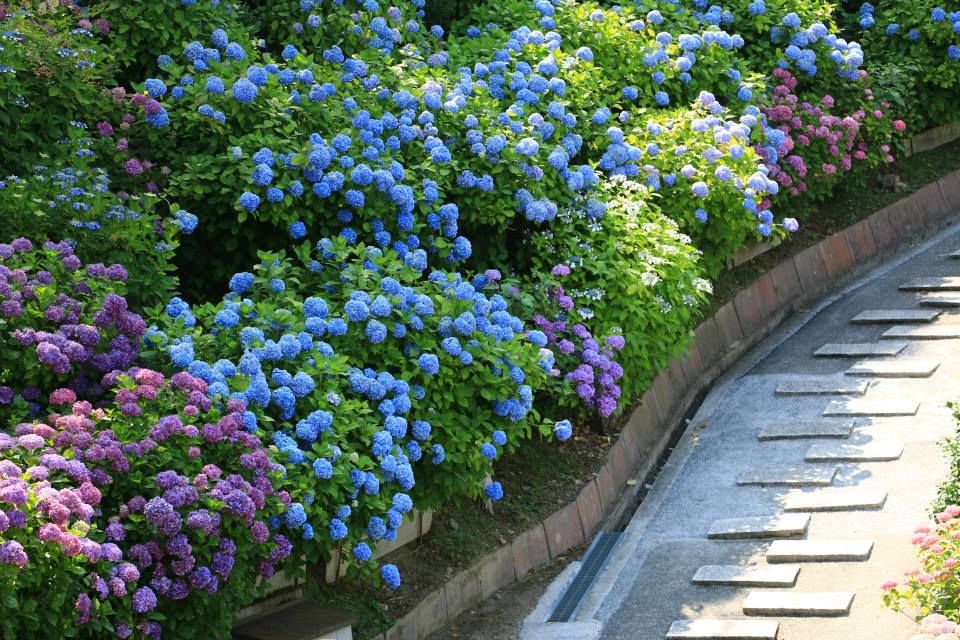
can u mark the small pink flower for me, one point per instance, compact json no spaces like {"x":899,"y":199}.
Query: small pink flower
{"x":899,"y":125}
{"x":889,"y":585}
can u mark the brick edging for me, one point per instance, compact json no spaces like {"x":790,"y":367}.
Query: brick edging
{"x":718,"y":342}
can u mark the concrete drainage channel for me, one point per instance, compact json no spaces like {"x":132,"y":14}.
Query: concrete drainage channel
{"x":584,"y":594}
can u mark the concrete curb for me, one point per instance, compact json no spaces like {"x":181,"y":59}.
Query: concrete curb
{"x":717,"y":344}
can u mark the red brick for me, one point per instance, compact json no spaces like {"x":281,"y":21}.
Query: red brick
{"x":530,"y":550}
{"x":729,"y":325}
{"x":496,"y":572}
{"x":907,"y":218}
{"x":786,"y":284}
{"x":590,"y":509}
{"x":884,"y":233}
{"x":860,"y":239}
{"x":609,"y":490}
{"x":657,"y":409}
{"x":950,"y":190}
{"x":708,"y":342}
{"x":836,"y":254}
{"x":748,"y":310}
{"x":810,"y":269}
{"x":632,"y":448}
{"x":564,"y":531}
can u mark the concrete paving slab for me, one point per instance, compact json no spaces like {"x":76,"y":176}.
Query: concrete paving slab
{"x":806,"y":429}
{"x":819,"y":551}
{"x":872,"y":407}
{"x":723,"y":630}
{"x":773,"y":526}
{"x":885,"y":316}
{"x":782,"y":575}
{"x":923,"y":332}
{"x":942,"y":283}
{"x":859,"y":349}
{"x":942,"y":300}
{"x":894,"y":368}
{"x":843,"y":452}
{"x":822,"y":386}
{"x":807,"y":476}
{"x":792,"y":603}
{"x":835,"y":499}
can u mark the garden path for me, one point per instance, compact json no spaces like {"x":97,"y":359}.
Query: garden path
{"x":794,"y":492}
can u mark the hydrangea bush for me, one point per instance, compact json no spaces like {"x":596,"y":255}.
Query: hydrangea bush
{"x":380,"y":389}
{"x":123,"y":521}
{"x":63,"y":324}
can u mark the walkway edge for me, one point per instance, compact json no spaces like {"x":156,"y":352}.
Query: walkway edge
{"x":715,"y":355}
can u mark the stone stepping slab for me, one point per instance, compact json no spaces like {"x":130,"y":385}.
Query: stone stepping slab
{"x":791,"y":603}
{"x":822,"y":386}
{"x":795,"y":430}
{"x":870,"y":407}
{"x":839,"y":499}
{"x":894,"y":369}
{"x":859,"y":349}
{"x":809,"y":476}
{"x":723,"y":630}
{"x":940,"y":300}
{"x":884,"y":316}
{"x":872,"y":452}
{"x":782,"y":575}
{"x":775,"y":526}
{"x":782,"y":551}
{"x":946,"y":283}
{"x":928,"y":332}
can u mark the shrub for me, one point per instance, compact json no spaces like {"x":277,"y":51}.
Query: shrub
{"x":145,"y":517}
{"x":63,"y":324}
{"x":380,"y":389}
{"x":52,"y":67}
{"x":73,"y":202}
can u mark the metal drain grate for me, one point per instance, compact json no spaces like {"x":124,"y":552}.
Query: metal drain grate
{"x":592,"y":564}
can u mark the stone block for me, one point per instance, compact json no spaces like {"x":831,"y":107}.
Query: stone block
{"x":894,"y":368}
{"x":837,"y":256}
{"x":496,"y":572}
{"x":822,"y":386}
{"x":786,"y":284}
{"x":795,"y":430}
{"x":774,"y":526}
{"x":924,"y":332}
{"x":432,"y":611}
{"x":882,"y":407}
{"x":709,"y":342}
{"x":729,"y":325}
{"x":835,"y":499}
{"x":811,"y":269}
{"x":590,"y":508}
{"x":859,"y":349}
{"x":462,"y":592}
{"x":810,"y":475}
{"x":530,"y":550}
{"x":899,"y":316}
{"x":783,"y":575}
{"x":564,"y":531}
{"x":871,"y":452}
{"x":861,"y":241}
{"x":792,"y":603}
{"x":723,"y":630}
{"x":819,"y":551}
{"x":885,"y":234}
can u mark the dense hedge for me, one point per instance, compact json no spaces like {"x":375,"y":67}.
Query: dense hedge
{"x":363,"y":259}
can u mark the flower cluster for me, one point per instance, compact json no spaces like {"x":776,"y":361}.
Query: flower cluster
{"x":152,"y":503}
{"x":64,"y":324}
